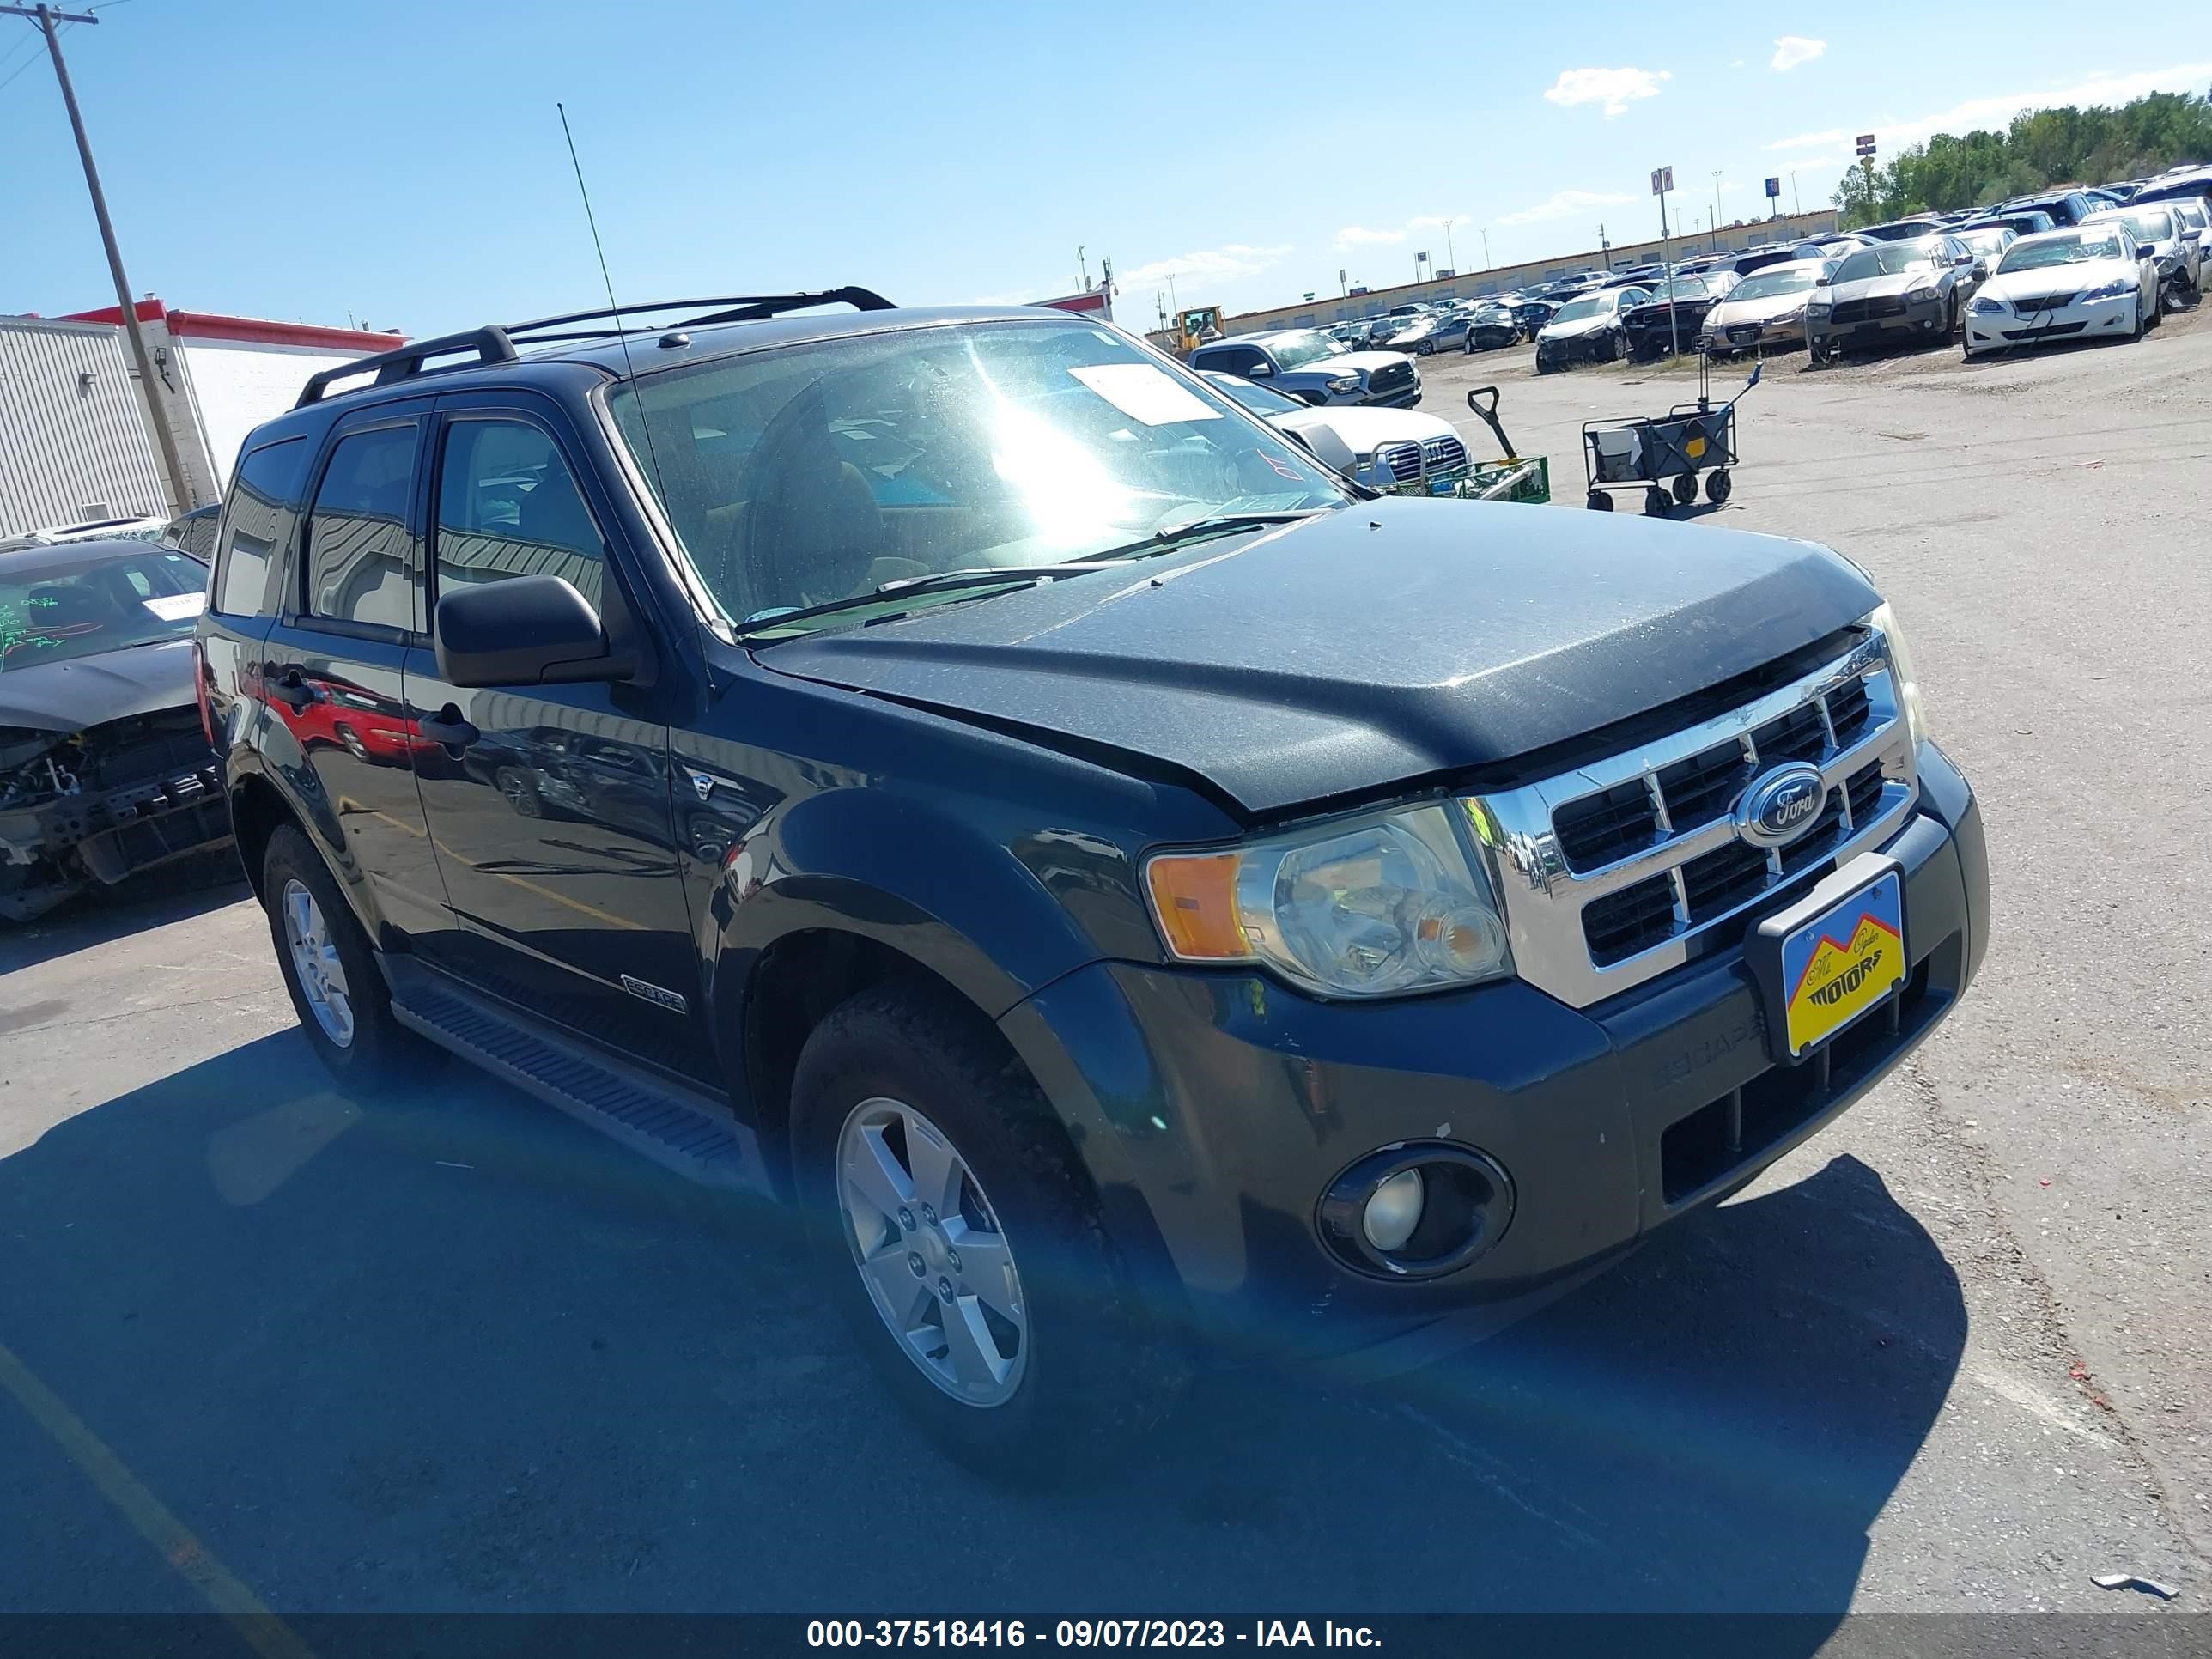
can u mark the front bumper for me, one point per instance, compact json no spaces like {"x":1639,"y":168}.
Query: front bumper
{"x":1214,"y":1108}
{"x":1782,"y":333}
{"x":2083,"y":318}
{"x":1922,"y":319}
{"x":52,"y":849}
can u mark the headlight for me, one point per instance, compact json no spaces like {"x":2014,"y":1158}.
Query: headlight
{"x":1900,"y":670}
{"x":1987,"y":307}
{"x":1817,"y":307}
{"x":1343,"y":385}
{"x":1921,"y":291}
{"x":2112,"y":290}
{"x":1375,"y":908}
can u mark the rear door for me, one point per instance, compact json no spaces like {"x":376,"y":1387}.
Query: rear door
{"x":246,"y":567}
{"x":331,"y":662}
{"x":554,"y":822}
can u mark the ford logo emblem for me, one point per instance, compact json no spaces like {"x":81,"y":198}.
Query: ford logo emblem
{"x":1781,"y":804}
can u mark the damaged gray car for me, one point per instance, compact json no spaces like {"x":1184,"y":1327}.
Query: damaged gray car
{"x":106,"y":769}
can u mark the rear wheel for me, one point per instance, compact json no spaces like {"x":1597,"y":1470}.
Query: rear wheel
{"x":1718,"y":487}
{"x":1656,"y":502}
{"x":1599,"y":501}
{"x":330,"y":973}
{"x":958,"y":1232}
{"x":1686,"y":489}
{"x":520,"y":791}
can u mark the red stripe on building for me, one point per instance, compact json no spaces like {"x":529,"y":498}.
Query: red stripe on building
{"x":249,"y":331}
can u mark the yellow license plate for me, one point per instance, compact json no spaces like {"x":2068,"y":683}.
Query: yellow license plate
{"x":1843,"y":963}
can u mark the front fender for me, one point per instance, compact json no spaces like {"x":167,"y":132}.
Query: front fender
{"x":926,"y":883}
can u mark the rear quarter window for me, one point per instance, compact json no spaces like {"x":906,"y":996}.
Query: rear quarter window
{"x":256,"y":521}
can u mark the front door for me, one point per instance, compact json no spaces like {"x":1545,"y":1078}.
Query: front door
{"x":553,"y":822}
{"x":331,"y":667}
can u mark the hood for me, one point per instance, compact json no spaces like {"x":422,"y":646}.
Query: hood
{"x":86,"y":691}
{"x":1365,"y":361}
{"x":2059,"y":279}
{"x":1363,"y":429}
{"x":1390,"y":641}
{"x":1577,"y":329}
{"x":1876,"y":287}
{"x":1759,"y":311}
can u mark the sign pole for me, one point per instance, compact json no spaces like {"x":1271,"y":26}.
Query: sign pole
{"x":1662,"y":180}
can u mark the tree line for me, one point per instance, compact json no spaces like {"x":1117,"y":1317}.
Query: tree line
{"x":2041,"y":148}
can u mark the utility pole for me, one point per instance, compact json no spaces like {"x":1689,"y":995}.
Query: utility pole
{"x":1082,"y":266}
{"x":172,"y":463}
{"x":1451,"y":257}
{"x":1796,"y":201}
{"x":1485,"y":247}
{"x":1604,"y":249}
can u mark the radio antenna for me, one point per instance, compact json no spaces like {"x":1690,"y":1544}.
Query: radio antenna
{"x":622,"y":332}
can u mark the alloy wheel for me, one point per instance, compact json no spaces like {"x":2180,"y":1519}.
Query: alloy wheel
{"x":930,"y":1254}
{"x":315,"y":960}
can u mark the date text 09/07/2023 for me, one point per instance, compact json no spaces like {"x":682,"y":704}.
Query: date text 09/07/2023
{"x":1086,"y":1633}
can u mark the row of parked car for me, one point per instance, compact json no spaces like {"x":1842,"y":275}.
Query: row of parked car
{"x":2122,"y":253}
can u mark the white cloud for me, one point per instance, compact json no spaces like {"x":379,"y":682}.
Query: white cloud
{"x":1986,"y":113}
{"x":1219,"y":265}
{"x":1735,"y":62}
{"x":1615,"y":88}
{"x":1352,"y":236}
{"x":1792,"y":50}
{"x":1564,"y":205}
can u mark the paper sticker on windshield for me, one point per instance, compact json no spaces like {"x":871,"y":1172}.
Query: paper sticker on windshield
{"x":176,"y":607}
{"x":1143,"y":394}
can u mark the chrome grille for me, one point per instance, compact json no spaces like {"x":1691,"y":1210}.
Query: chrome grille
{"x":1390,"y":377}
{"x":1406,"y":460}
{"x":1861,"y":311}
{"x":1609,"y":873}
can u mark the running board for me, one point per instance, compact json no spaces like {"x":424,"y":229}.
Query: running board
{"x":679,"y":1128}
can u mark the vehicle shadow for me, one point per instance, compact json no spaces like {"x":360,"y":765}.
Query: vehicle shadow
{"x":450,"y":1351}
{"x":174,"y":892}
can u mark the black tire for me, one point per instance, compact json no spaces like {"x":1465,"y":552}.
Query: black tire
{"x":381,"y":1053}
{"x":1427,"y":348}
{"x":1096,"y":1373}
{"x":1656,"y":502}
{"x":1685,"y":489}
{"x":351,"y":739}
{"x":1718,"y":487}
{"x":1599,"y":501}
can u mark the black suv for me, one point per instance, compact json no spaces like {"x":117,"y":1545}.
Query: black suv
{"x":957,"y":772}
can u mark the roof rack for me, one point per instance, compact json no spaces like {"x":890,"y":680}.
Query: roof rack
{"x":495,"y":344}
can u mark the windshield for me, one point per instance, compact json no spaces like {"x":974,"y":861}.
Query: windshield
{"x":1683,"y":287}
{"x":1986,"y":241}
{"x":1890,"y":259}
{"x":1767,"y":284}
{"x":1260,"y":399}
{"x":84,"y":604}
{"x":799,"y":476}
{"x":2060,"y":251}
{"x":1596,"y":306}
{"x":1307,"y":346}
{"x":2149,"y":225}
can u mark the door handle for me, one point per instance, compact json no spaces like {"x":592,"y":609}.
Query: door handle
{"x":291,"y":690}
{"x":449,"y":729}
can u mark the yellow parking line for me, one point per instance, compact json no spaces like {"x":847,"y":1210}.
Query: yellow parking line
{"x":221,"y":1589}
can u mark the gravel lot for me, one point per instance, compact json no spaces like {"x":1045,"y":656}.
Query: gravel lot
{"x":457,"y":1352}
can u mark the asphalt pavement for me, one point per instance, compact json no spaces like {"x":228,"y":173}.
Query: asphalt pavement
{"x":455,"y":1353}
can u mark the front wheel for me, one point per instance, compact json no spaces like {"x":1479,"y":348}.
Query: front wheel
{"x":957,"y":1231}
{"x":1599,"y":501}
{"x":1686,"y":489}
{"x":1656,"y":502}
{"x":1428,"y":347}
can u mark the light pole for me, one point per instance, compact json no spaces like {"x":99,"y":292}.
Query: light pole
{"x":1485,"y":247}
{"x":1451,"y":257}
{"x":1795,"y":200}
{"x":1717,"y":211}
{"x":171,"y":462}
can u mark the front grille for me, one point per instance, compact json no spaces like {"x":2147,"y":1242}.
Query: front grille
{"x":2047,"y":302}
{"x":1441,"y":454}
{"x":1614,"y":871}
{"x":1391,"y":377}
{"x":2049,"y":330}
{"x":1866,"y":310}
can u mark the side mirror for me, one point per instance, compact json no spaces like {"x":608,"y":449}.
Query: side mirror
{"x":1964,"y":259}
{"x":1259,"y":371}
{"x":525,"y":630}
{"x":2145,"y":251}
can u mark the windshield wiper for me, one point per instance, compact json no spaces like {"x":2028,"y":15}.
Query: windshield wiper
{"x":1165,"y":539}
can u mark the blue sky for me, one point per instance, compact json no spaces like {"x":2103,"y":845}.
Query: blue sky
{"x":402,"y":163}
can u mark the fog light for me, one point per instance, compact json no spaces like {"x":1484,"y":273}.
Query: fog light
{"x":1394,"y":1211}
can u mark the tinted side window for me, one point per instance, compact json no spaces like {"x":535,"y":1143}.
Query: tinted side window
{"x":357,"y":530}
{"x":254,"y":524}
{"x":507,"y":505}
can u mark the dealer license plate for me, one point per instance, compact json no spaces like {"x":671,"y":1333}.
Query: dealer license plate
{"x":1843,"y":963}
{"x":1743,"y":333}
